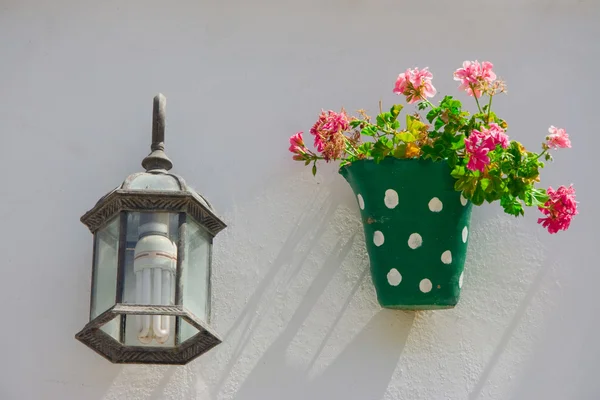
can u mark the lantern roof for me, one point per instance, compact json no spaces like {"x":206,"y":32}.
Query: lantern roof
{"x":156,"y":189}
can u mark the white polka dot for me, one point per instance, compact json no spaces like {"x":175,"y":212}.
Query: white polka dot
{"x":415,"y":240}
{"x":447,"y":257}
{"x":463,"y":200}
{"x":394,"y":278}
{"x":465,"y":234}
{"x":425,"y":286}
{"x":460,"y":280}
{"x":435,"y":205}
{"x":378,"y":238}
{"x":391,"y":198}
{"x":361,"y":202}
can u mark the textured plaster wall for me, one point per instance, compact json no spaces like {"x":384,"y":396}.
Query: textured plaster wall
{"x":292,"y":295}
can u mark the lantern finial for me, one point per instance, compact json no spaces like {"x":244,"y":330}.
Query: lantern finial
{"x":157,"y":159}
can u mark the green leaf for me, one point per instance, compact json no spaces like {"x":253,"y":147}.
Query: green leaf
{"x":413,"y":125}
{"x":438,"y":124}
{"x":458,"y":171}
{"x":478,"y":196}
{"x":400,"y":151}
{"x":380,"y":121}
{"x":511,"y":205}
{"x":536,"y":197}
{"x":387,"y":142}
{"x":314,"y":169}
{"x":458,"y":142}
{"x":484,"y":183}
{"x":406,"y":137}
{"x":395,"y":110}
{"x":395,"y":125}
{"x":452,"y":160}
{"x":368,"y":131}
{"x":355,"y":123}
{"x":307,"y":162}
{"x":431,"y":115}
{"x":428,"y":152}
{"x":367,"y":146}
{"x":380,"y":150}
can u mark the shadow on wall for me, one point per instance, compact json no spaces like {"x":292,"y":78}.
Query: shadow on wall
{"x":356,"y":373}
{"x":363,"y":369}
{"x":318,"y":279}
{"x":508,"y":333}
{"x":250,"y":318}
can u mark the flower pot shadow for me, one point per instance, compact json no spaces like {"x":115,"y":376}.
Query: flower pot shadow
{"x":363,"y":369}
{"x":366,"y":366}
{"x":534,"y":287}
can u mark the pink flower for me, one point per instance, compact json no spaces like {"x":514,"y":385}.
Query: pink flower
{"x":498,"y":136}
{"x":486,"y":71}
{"x":296,"y":143}
{"x":415,"y":84}
{"x":481,"y":142}
{"x":478,"y":145}
{"x":329,"y":134}
{"x":559,"y":209}
{"x":473,"y":76}
{"x":297,"y":146}
{"x":558,"y":138}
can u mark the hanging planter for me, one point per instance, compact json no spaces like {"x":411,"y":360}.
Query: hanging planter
{"x":416,"y":229}
{"x":415,"y":185}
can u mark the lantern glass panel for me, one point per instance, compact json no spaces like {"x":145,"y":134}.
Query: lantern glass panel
{"x":196,"y":274}
{"x":104,"y":281}
{"x":187,"y":330}
{"x":149,"y":276}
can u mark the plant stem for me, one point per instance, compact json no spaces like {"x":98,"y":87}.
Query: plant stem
{"x":350,"y":147}
{"x":474,"y":95}
{"x":489,"y":109}
{"x":427,"y":101}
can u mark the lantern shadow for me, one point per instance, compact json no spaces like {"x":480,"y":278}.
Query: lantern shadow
{"x":261,"y":382}
{"x":158,"y":392}
{"x":249,"y":318}
{"x":130,"y":378}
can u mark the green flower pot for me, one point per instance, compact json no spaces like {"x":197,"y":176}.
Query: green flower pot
{"x":416,"y":230}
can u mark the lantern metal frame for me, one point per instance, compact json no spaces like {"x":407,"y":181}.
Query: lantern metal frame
{"x":117,"y":203}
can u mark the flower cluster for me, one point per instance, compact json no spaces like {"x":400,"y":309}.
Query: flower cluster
{"x":560,"y":209}
{"x":558,"y":138}
{"x":415,"y":84}
{"x":475,"y":77}
{"x":485,"y":163}
{"x":480,"y":143}
{"x":329,"y":134}
{"x":297,"y":147}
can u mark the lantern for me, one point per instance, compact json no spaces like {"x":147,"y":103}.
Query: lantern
{"x":150,"y":295}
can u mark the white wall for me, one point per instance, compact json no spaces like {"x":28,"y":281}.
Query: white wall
{"x":292,"y":296}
